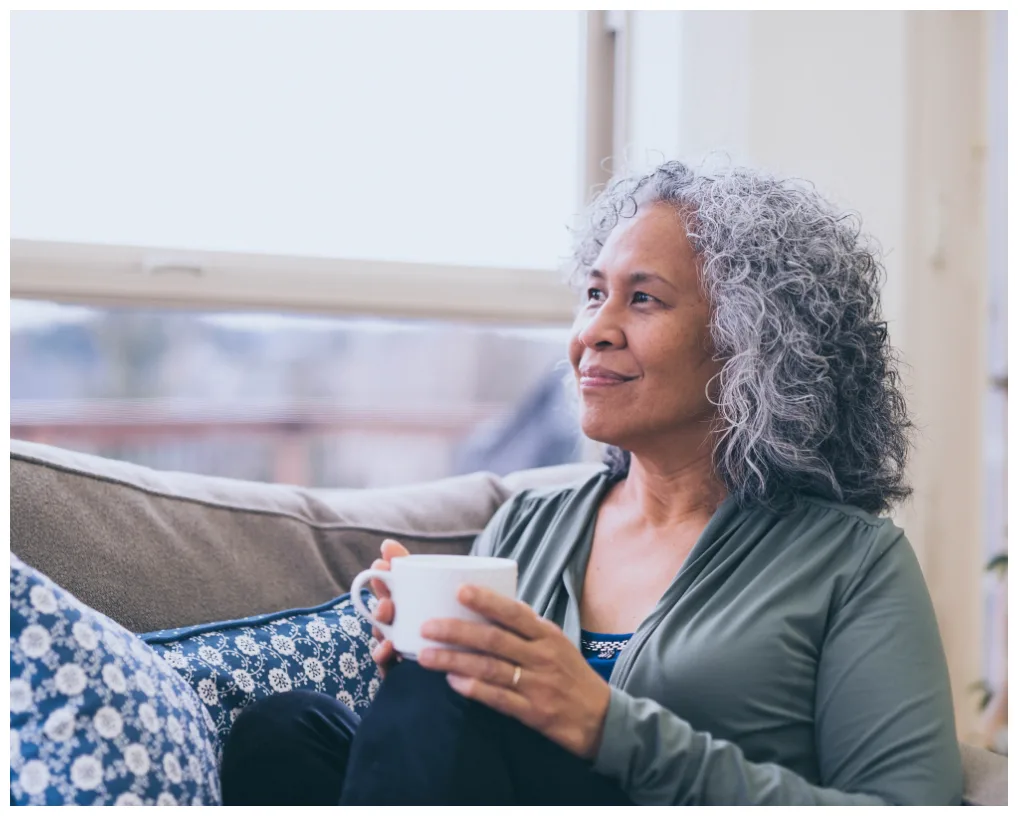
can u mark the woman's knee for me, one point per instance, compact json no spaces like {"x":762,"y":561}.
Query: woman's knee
{"x":294,"y":744}
{"x":292,"y":714}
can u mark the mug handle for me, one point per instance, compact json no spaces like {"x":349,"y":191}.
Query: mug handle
{"x":355,"y":597}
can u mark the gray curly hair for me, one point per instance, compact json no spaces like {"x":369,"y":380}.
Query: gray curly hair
{"x":809,"y":398}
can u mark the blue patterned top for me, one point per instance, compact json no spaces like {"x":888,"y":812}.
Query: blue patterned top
{"x":601,"y":651}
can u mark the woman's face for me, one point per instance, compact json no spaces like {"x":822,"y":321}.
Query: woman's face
{"x":640,"y":346}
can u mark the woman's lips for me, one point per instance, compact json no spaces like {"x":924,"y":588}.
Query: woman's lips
{"x":602,"y":382}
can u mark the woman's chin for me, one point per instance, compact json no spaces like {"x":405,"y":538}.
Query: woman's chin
{"x":603,"y":432}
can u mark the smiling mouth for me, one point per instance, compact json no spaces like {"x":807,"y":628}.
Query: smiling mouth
{"x":599,"y":381}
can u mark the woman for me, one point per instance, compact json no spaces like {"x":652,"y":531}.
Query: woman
{"x":769,"y":638}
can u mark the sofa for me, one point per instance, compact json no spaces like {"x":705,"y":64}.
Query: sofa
{"x":127,"y":550}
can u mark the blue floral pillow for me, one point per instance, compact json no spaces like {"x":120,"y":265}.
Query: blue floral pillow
{"x":96,"y":716}
{"x":232,"y":664}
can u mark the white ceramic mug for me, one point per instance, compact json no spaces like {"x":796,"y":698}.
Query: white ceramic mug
{"x":425,"y":586}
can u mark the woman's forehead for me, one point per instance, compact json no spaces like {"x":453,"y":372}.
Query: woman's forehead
{"x":652,"y":242}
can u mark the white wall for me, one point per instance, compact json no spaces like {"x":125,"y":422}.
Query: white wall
{"x":813,"y":94}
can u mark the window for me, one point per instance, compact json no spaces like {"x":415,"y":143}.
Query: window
{"x":314,"y":247}
{"x":421,"y":137}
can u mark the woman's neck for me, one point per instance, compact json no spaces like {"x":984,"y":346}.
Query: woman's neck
{"x":666,"y":494}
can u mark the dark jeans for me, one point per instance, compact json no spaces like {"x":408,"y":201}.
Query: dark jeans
{"x":419,"y":743}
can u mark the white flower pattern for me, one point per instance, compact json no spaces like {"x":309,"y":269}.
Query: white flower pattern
{"x":108,"y":722}
{"x":166,"y":689}
{"x":314,"y":670}
{"x":21,"y":696}
{"x":174,"y":730}
{"x":176,"y":660}
{"x":172,"y":769}
{"x":207,"y":692}
{"x":85,"y":635}
{"x":34,"y":777}
{"x":78,"y":711}
{"x":114,"y":643}
{"x":145,"y":684}
{"x":148,"y":717}
{"x":70,"y":679}
{"x":319,"y":630}
{"x":114,"y":678}
{"x":325,"y":650}
{"x":136,"y":759}
{"x":283,"y":645}
{"x":210,"y":655}
{"x":247,"y":645}
{"x":279,"y":680}
{"x":34,"y":641}
{"x":59,"y":725}
{"x":348,"y":664}
{"x":245,"y":682}
{"x":42,"y":598}
{"x":86,"y":773}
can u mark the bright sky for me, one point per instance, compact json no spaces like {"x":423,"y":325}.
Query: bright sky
{"x":441,"y":137}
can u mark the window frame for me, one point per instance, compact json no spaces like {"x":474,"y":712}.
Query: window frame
{"x":119,"y":275}
{"x":106,"y":275}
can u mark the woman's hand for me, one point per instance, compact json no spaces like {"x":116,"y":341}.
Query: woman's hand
{"x":557,"y":692}
{"x":383,"y":654}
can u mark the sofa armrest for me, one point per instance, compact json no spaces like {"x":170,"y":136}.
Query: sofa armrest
{"x":985,"y":776}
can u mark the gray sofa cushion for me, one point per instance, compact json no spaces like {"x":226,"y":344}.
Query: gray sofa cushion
{"x":157,"y":550}
{"x":985,"y":776}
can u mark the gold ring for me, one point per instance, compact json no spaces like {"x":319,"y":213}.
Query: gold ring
{"x":517,"y":674}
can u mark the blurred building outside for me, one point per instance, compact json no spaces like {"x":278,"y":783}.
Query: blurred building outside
{"x":314,"y":402}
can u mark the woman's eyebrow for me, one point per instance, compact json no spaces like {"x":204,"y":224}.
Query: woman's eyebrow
{"x":634,"y":277}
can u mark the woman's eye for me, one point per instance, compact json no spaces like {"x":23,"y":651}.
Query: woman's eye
{"x":594,"y":294}
{"x":643,"y":297}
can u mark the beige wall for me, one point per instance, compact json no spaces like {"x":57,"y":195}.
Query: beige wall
{"x":885,"y":112}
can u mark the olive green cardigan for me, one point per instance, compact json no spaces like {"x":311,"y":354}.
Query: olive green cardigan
{"x":794,"y":659}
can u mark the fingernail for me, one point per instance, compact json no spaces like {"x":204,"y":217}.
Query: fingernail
{"x":456,"y":681}
{"x":468,"y":593}
{"x":428,"y":630}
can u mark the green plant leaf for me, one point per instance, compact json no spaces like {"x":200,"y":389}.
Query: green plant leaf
{"x":985,"y":694}
{"x":998,"y":564}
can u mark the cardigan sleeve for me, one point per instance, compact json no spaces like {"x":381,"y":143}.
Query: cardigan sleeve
{"x":884,"y":719}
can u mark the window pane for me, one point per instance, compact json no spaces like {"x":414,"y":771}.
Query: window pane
{"x":319,"y":402}
{"x":446,"y":137}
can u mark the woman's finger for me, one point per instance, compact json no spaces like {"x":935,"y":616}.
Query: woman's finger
{"x":490,"y":669}
{"x":512,"y":614}
{"x":480,"y":637}
{"x":378,"y":587}
{"x":393,"y":549}
{"x":508,"y":702}
{"x":385,"y":611}
{"x":383,"y":652}
{"x":383,"y":655}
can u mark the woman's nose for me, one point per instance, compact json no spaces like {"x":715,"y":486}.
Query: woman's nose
{"x":602,"y":329}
